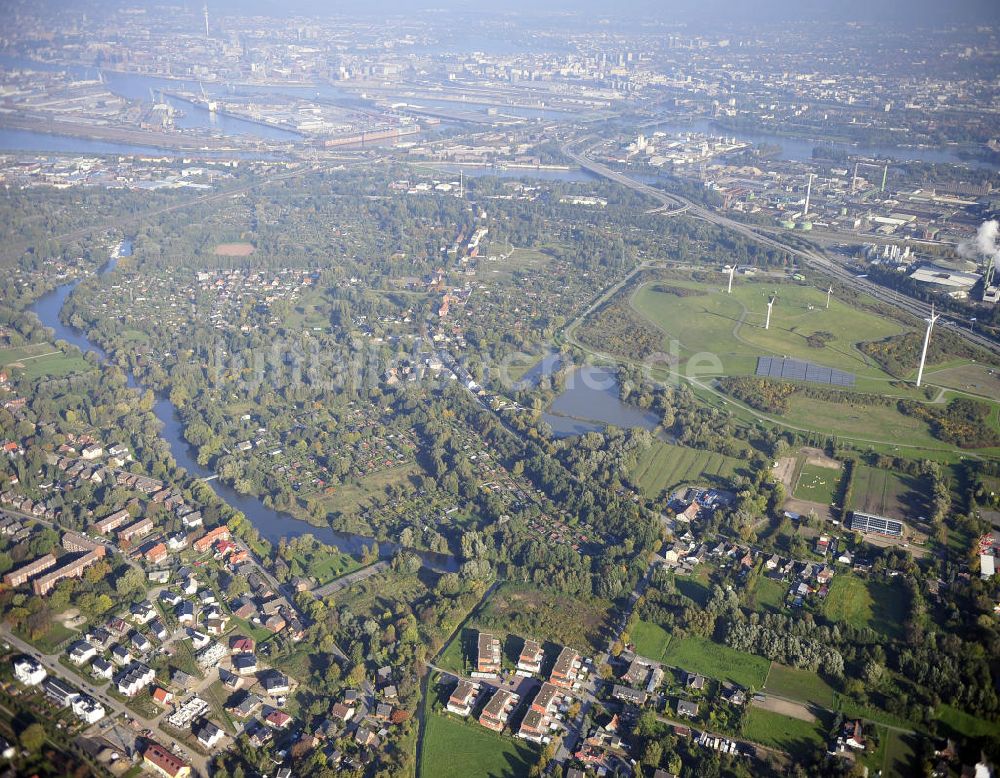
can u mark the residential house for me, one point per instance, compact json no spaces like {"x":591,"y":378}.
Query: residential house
{"x":164,"y":763}
{"x":463,"y":698}
{"x":488,"y":654}
{"x":530,"y":658}
{"x":498,"y":710}
{"x":687,"y":709}
{"x":567,"y":668}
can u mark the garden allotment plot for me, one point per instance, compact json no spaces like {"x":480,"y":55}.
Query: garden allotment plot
{"x":701,"y":317}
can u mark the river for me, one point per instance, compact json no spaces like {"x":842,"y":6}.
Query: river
{"x":272,"y":525}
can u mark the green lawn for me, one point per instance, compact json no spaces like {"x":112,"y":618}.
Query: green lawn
{"x":900,"y":753}
{"x":770,"y":594}
{"x":870,"y":422}
{"x":454,"y":655}
{"x":701,"y":655}
{"x":463,"y":749}
{"x":860,"y":603}
{"x":650,"y":639}
{"x":818,"y":484}
{"x":53,"y":637}
{"x":797,"y":737}
{"x":802,"y":685}
{"x":731,"y":326}
{"x":665,"y":467}
{"x":966,"y":724}
{"x":41,"y":360}
{"x":325,"y":567}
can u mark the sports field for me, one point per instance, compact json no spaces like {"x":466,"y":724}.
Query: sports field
{"x":860,"y":603}
{"x":731,"y":326}
{"x":463,"y":749}
{"x":41,"y":360}
{"x":886,"y":493}
{"x":701,"y":655}
{"x":817,"y":484}
{"x":665,"y":467}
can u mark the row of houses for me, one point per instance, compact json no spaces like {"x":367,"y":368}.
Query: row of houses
{"x":81,"y":554}
{"x":31,"y":673}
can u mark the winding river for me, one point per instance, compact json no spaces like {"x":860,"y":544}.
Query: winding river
{"x":272,"y":524}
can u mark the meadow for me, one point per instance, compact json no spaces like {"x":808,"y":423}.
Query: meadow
{"x":704,"y":656}
{"x":801,"y":685}
{"x":664,"y":467}
{"x":731,"y":326}
{"x":453,"y":748}
{"x":860,"y":603}
{"x":795,"y":736}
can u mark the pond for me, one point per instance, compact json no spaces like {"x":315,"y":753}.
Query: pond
{"x":590,"y":402}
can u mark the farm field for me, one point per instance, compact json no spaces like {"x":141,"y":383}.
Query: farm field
{"x":818,"y":484}
{"x":457,"y":749}
{"x":861,"y":603}
{"x":783,"y":732}
{"x":886,"y":493}
{"x":650,"y":639}
{"x":731,"y":325}
{"x":801,"y":685}
{"x":701,"y":655}
{"x":664,"y":467}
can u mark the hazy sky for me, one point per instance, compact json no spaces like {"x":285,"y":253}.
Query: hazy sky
{"x":704,"y":11}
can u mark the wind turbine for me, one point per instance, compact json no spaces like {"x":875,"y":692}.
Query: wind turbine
{"x":731,"y":269}
{"x":927,"y":339}
{"x":828,"y":293}
{"x":809,"y":187}
{"x":770,"y":304}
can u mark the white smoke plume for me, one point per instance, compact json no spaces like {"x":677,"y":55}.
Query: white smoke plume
{"x":986,"y":244}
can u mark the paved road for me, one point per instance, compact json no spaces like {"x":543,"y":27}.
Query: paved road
{"x":673,"y":204}
{"x":351,"y":578}
{"x":116,"y":708}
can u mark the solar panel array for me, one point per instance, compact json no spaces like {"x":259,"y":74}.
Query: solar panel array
{"x":867,"y":522}
{"x":797,"y":370}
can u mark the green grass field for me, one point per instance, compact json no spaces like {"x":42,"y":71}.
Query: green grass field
{"x":861,"y":423}
{"x":860,"y":603}
{"x":801,"y":685}
{"x":731,"y":326}
{"x":701,"y":655}
{"x":900,"y":753}
{"x":886,"y":493}
{"x":795,"y":736}
{"x":770,"y":595}
{"x":817,"y":484}
{"x":966,"y":724}
{"x":665,"y":467}
{"x":43,"y":360}
{"x":459,"y":749}
{"x":650,"y":639}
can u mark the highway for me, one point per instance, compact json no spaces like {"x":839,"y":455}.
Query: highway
{"x":675,"y":205}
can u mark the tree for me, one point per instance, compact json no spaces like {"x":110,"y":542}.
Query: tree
{"x":33,"y":738}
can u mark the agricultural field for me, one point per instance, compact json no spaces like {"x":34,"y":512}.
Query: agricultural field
{"x":886,"y":493}
{"x":817,"y":484}
{"x":663,"y":467}
{"x":731,"y":326}
{"x":796,"y":684}
{"x":701,"y":655}
{"x":861,"y":604}
{"x":795,"y":736}
{"x":650,"y":640}
{"x":460,"y":749}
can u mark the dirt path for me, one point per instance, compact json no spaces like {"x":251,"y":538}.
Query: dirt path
{"x":784,"y":471}
{"x":817,"y":457}
{"x":795,"y":710}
